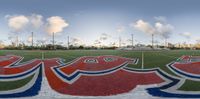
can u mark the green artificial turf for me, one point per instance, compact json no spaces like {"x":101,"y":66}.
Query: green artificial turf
{"x":152,"y":59}
{"x":190,"y":85}
{"x":10,"y":85}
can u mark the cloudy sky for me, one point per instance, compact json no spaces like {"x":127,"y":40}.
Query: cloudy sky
{"x":92,"y":21}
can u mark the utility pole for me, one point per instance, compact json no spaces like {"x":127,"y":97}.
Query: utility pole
{"x":166,"y":44}
{"x":152,"y":41}
{"x":17,"y":41}
{"x":68,"y":42}
{"x":119,"y":42}
{"x":132,"y":40}
{"x":32,"y":39}
{"x":53,"y":41}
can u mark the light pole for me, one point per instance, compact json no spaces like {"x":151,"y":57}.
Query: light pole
{"x":68,"y":42}
{"x":53,"y":41}
{"x":152,"y":41}
{"x":17,"y":41}
{"x":32,"y":40}
{"x":119,"y":42}
{"x":132,"y":40}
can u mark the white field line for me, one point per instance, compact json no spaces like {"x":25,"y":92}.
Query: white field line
{"x":42,"y":55}
{"x":142,"y":60}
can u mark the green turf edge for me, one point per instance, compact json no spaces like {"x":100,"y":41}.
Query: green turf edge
{"x":190,"y":85}
{"x":10,"y":85}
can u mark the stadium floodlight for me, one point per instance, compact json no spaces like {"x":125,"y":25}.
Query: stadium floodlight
{"x":132,"y":40}
{"x":53,"y":41}
{"x":68,"y":42}
{"x":152,"y":41}
{"x":166,"y":44}
{"x":119,"y":41}
{"x":32,"y":40}
{"x":17,"y":41}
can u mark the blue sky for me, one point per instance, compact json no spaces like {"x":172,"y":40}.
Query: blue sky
{"x":88,"y":19}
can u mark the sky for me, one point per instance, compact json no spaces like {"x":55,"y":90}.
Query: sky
{"x":91,"y":21}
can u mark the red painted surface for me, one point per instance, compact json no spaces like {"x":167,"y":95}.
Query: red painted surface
{"x":113,"y":83}
{"x":185,"y":58}
{"x":20,"y":68}
{"x":56,"y":83}
{"x":101,"y":65}
{"x":8,"y":60}
{"x":193,"y":67}
{"x":6,"y":69}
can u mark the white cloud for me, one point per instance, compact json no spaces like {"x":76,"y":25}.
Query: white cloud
{"x":21,"y":22}
{"x":161,"y":19}
{"x":17,"y":23}
{"x":197,"y":39}
{"x":29,"y":40}
{"x":77,"y":41}
{"x":104,"y":36}
{"x":36,"y":20}
{"x":164,"y":30}
{"x":186,"y":35}
{"x":120,"y":29}
{"x":161,"y":28}
{"x":56,"y":24}
{"x":97,"y":42}
{"x":103,"y":40}
{"x":143,"y":26}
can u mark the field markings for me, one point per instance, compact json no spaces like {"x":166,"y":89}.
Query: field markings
{"x":142,"y":60}
{"x":171,"y":89}
{"x":184,"y":74}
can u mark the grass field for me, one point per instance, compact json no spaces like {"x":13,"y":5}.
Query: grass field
{"x":152,"y":59}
